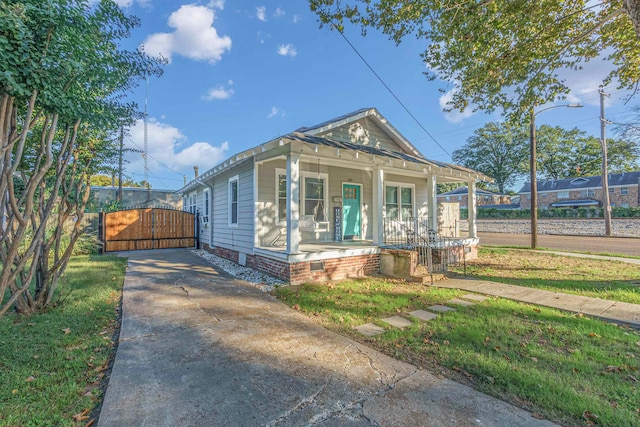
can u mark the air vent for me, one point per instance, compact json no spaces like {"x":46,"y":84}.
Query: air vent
{"x":316,"y":266}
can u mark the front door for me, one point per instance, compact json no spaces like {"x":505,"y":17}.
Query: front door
{"x":351,"y":211}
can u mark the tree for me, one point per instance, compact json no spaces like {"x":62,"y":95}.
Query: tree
{"x":571,"y":153}
{"x":61,"y":90}
{"x":497,"y":150}
{"x":502,"y":54}
{"x":102,"y":180}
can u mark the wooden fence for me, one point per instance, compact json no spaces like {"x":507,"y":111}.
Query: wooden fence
{"x":148,"y":228}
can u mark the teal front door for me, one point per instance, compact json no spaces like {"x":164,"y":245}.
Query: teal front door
{"x":351,"y":211}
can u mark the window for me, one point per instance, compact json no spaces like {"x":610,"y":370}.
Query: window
{"x":447,"y":198}
{"x":314,"y":195}
{"x":233,"y":200}
{"x":459,"y":198}
{"x":587,"y":193}
{"x":543,"y":195}
{"x":563,"y":194}
{"x":191,"y":203}
{"x":313,"y":192}
{"x":612,"y":190}
{"x":624,"y":191}
{"x":282,"y":196}
{"x":206,"y":202}
{"x":398,"y":202}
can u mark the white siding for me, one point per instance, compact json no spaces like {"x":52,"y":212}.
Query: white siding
{"x":240,"y":237}
{"x":377,"y":137}
{"x":267,"y":228}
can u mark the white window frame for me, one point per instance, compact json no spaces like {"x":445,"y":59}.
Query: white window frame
{"x":400,"y":185}
{"x":563,"y":194}
{"x":588,"y":192}
{"x":204,"y":218}
{"x":230,"y":202}
{"x":303,"y":177}
{"x":624,"y":191}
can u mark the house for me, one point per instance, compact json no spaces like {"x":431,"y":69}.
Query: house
{"x":136,"y":197}
{"x":483,"y":197}
{"x":319,"y":203}
{"x":584,"y":192}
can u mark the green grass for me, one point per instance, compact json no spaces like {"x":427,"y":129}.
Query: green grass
{"x":613,"y":280}
{"x":609,"y":254}
{"x":549,"y":362}
{"x":52,"y":363}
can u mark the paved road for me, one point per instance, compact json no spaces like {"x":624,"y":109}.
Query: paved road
{"x":200,"y":348}
{"x":614,"y":245}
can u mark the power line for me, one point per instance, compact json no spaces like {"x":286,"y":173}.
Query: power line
{"x":158,"y":161}
{"x":392,"y":93}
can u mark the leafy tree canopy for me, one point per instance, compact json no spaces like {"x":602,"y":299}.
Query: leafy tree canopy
{"x":566,"y":153}
{"x":497,"y":150}
{"x":502,"y":54}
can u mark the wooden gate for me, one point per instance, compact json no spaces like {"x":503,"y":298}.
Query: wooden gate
{"x":148,"y":228}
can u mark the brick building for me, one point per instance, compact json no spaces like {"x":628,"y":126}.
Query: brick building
{"x":483,"y":197}
{"x":584,"y":192}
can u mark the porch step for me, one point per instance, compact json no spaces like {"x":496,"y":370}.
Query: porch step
{"x":426,"y":278}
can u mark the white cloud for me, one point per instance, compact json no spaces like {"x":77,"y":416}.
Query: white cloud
{"x":219,"y":92}
{"x":262,"y":37}
{"x":274,"y":112}
{"x":167,"y":148}
{"x":295,"y":19}
{"x":261,"y":13}
{"x":287,"y":50}
{"x":194,"y":36}
{"x":216,"y":4}
{"x":453,"y":116}
{"x":279,"y":12}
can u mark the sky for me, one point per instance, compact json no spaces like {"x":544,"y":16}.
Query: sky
{"x":241,"y":73}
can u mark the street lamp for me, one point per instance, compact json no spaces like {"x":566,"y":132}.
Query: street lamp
{"x":533,"y":170}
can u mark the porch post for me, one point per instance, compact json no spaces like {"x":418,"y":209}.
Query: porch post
{"x":432,"y":201}
{"x":378,"y":200}
{"x":293,"y":208}
{"x":472,"y":205}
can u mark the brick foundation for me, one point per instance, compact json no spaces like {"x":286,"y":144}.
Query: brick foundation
{"x":300,"y":272}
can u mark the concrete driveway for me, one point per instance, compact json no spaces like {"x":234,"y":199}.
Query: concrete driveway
{"x":200,"y":348}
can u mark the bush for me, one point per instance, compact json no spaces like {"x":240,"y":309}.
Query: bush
{"x":598,"y":212}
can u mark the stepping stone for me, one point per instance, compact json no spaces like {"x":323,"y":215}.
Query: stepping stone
{"x":463,"y":303}
{"x":423,"y":315}
{"x":397,"y":321}
{"x":475,"y":297}
{"x":441,"y":308}
{"x":369,"y":329}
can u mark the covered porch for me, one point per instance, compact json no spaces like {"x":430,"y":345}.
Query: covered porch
{"x":317,"y":198}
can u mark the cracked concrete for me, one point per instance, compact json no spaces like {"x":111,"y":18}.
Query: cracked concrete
{"x":221,"y":352}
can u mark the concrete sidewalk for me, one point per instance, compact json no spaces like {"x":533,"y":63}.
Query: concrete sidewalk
{"x":618,"y":312}
{"x":200,"y":348}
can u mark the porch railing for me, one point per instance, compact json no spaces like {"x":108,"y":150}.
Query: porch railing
{"x":435,"y":252}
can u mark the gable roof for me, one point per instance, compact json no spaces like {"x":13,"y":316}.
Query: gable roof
{"x":578,"y":183}
{"x":372,"y":113}
{"x":464,"y":190}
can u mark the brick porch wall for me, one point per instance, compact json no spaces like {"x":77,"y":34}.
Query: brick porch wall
{"x":300,"y":272}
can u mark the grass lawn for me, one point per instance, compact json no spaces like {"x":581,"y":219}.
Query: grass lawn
{"x":605,"y":279}
{"x":563,"y":367}
{"x":52,"y":363}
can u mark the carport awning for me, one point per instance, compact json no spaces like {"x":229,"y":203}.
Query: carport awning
{"x":574,"y":203}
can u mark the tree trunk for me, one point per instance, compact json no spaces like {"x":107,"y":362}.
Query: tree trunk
{"x":632,"y":7}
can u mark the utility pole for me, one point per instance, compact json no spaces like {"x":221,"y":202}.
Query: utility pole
{"x":533,"y":179}
{"x":606,"y":204}
{"x":119,"y":195}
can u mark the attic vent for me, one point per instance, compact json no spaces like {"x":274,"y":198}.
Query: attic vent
{"x":578,"y":181}
{"x":316,"y":266}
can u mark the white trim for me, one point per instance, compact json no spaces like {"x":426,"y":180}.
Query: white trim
{"x":398,"y":185}
{"x":235,"y":178}
{"x":280,"y":171}
{"x":256,"y":212}
{"x":360,"y":233}
{"x":192,"y":205}
{"x":303,"y":194}
{"x":206,"y":202}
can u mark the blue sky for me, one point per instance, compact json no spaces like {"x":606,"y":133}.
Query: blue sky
{"x":242,"y":73}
